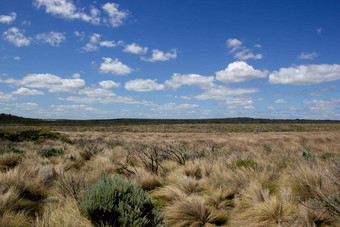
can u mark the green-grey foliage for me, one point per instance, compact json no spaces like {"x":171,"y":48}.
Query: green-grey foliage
{"x":116,"y":202}
{"x":50,"y":152}
{"x":11,"y":150}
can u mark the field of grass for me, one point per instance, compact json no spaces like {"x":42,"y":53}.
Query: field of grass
{"x":196,"y":174}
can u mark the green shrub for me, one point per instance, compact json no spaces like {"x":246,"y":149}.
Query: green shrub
{"x":11,"y":150}
{"x":246,"y":163}
{"x":50,"y":152}
{"x":32,"y":135}
{"x":116,"y":202}
{"x":308,"y":156}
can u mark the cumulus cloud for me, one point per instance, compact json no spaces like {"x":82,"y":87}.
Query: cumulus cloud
{"x":25,"y":92}
{"x":108,"y":84}
{"x":143,"y":85}
{"x":135,"y":49}
{"x":323,"y":104}
{"x":158,"y":55}
{"x":280,"y":101}
{"x":116,"y":16}
{"x":224,"y":93}
{"x":305,"y":74}
{"x":50,"y":82}
{"x":7,"y":19}
{"x":176,"y":107}
{"x":239,"y":71}
{"x":17,"y":58}
{"x":92,"y":45}
{"x":5,"y":97}
{"x":177,"y":80}
{"x":67,"y":9}
{"x":108,"y":43}
{"x":234,"y":44}
{"x":307,"y":56}
{"x":16,"y":37}
{"x":95,"y":42}
{"x":240,"y":51}
{"x":51,"y":38}
{"x":81,"y":107}
{"x":247,"y":54}
{"x":239,"y":101}
{"x":114,"y":66}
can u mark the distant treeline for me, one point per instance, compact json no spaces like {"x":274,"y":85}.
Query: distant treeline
{"x":12,"y":119}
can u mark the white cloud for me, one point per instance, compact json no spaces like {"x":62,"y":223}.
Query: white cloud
{"x":66,"y":9}
{"x":239,"y":71}
{"x":94,"y":42}
{"x":224,"y":93}
{"x":240,"y":51}
{"x":92,"y":45}
{"x":175,"y":107}
{"x":108,"y":84}
{"x":143,"y":85}
{"x":114,"y":67}
{"x":234,"y":44}
{"x":135,"y":49}
{"x":108,"y":44}
{"x":52,"y":38}
{"x":280,"y":101}
{"x":17,"y":58}
{"x":5,"y":97}
{"x":50,"y":82}
{"x":81,"y":107}
{"x":158,"y":55}
{"x":247,"y":54}
{"x":306,"y":74}
{"x":16,"y":37}
{"x":81,"y":35}
{"x":323,"y":105}
{"x":25,"y":106}
{"x":7,"y":19}
{"x":239,"y":101}
{"x":25,"y":91}
{"x":116,"y":16}
{"x":249,"y":107}
{"x":307,"y":56}
{"x":177,"y":80}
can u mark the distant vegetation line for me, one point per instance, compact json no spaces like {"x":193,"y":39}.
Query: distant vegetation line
{"x":12,"y":119}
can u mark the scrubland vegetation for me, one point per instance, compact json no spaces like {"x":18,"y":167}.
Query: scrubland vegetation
{"x":199,"y":176}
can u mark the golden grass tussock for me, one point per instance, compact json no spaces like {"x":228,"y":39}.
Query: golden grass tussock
{"x":193,"y":212}
{"x":65,"y":213}
{"x":149,"y":181}
{"x":14,"y":219}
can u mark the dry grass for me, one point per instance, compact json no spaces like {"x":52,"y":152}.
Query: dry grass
{"x":216,"y":179}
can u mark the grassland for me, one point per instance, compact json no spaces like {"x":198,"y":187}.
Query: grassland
{"x":204,"y":174}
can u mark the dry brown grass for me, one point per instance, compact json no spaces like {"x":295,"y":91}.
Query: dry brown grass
{"x":230,"y":179}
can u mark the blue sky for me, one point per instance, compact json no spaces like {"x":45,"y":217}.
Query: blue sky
{"x":170,"y":59}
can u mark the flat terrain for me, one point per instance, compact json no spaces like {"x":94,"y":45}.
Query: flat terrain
{"x":242,"y":174}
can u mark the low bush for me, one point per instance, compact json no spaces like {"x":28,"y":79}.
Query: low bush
{"x":11,"y":150}
{"x":32,"y":135}
{"x":50,"y":152}
{"x":116,"y":202}
{"x":246,"y":163}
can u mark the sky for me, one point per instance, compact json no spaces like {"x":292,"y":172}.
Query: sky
{"x":72,"y":59}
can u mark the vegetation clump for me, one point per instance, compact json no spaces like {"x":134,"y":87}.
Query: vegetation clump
{"x":32,"y":135}
{"x":50,"y":152}
{"x":11,"y":150}
{"x":116,"y":202}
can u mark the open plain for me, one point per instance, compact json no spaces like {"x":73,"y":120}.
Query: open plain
{"x":196,"y":174}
